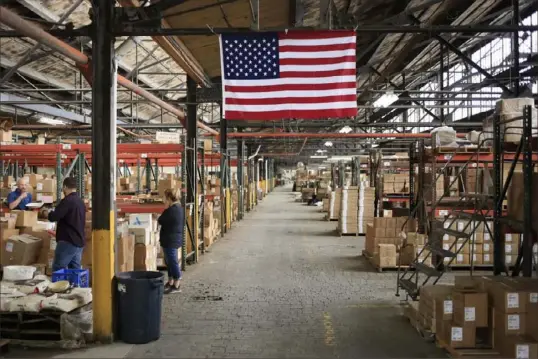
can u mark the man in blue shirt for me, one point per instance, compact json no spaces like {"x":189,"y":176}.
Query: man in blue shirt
{"x":19,"y":198}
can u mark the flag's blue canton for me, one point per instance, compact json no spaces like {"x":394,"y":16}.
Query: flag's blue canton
{"x":250,"y":56}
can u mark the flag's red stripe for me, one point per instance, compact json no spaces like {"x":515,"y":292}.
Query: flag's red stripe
{"x":318,"y":61}
{"x":291,"y":87}
{"x":316,"y":74}
{"x":279,"y":115}
{"x":314,"y":35}
{"x":284,"y":100}
{"x":317,"y":48}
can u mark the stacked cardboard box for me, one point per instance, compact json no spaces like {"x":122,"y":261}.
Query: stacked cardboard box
{"x":383,"y":241}
{"x":335,"y":200}
{"x":516,"y":197}
{"x":462,"y":322}
{"x":307,"y":193}
{"x":430,"y":297}
{"x":211,"y":224}
{"x":395,"y":183}
{"x":213,"y":186}
{"x":479,"y":248}
{"x":495,"y":312}
{"x":348,"y":221}
{"x":413,"y":248}
{"x":366,"y":206}
{"x":6,"y":136}
{"x":46,"y":190}
{"x":170,"y":182}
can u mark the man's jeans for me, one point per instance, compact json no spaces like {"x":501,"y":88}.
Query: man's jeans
{"x":67,"y":256}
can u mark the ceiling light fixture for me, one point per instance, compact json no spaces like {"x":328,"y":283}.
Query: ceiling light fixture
{"x":328,"y":144}
{"x":51,"y":121}
{"x":316,"y":156}
{"x":386,"y":100}
{"x":345,"y":129}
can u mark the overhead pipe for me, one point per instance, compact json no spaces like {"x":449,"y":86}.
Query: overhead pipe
{"x":28,"y":29}
{"x":329,"y":135}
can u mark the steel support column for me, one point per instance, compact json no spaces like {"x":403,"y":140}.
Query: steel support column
{"x":240,"y":178}
{"x":104,"y":168}
{"x":515,"y":48}
{"x":191,"y":165}
{"x":223,"y":173}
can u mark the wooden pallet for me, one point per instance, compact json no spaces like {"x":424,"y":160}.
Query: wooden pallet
{"x":381,"y":268}
{"x":411,"y":313}
{"x":467,"y":353}
{"x":341,"y":234}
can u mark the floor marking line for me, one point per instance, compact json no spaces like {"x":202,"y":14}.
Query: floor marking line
{"x":329,"y":330}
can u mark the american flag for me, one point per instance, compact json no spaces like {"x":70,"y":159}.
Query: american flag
{"x":280,"y":75}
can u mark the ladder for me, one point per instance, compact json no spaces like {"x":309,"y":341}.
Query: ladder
{"x":419,"y":273}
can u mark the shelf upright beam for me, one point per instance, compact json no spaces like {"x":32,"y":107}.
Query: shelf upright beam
{"x":81,"y":162}
{"x":191,"y":162}
{"x":59,"y":177}
{"x":138,"y":177}
{"x":103,"y":167}
{"x":526,"y":247}
{"x":498,"y":239}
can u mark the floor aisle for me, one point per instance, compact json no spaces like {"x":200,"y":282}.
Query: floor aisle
{"x":281,"y":284}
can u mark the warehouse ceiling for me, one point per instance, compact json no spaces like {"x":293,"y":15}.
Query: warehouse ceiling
{"x":160,"y":64}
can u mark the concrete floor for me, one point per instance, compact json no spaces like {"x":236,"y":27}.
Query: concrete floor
{"x":290,"y":288}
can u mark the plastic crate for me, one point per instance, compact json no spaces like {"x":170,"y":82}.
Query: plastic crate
{"x":77,"y":277}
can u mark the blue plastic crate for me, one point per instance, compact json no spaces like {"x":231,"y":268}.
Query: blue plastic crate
{"x":77,"y":277}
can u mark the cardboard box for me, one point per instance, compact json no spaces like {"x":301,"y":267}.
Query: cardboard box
{"x":46,"y":186}
{"x":126,"y":252}
{"x":517,"y":347}
{"x":145,"y":257}
{"x":6,"y":136}
{"x":471,"y":308}
{"x":21,"y":250}
{"x":8,"y":223}
{"x":509,"y":323}
{"x":507,"y":299}
{"x":26,"y":218}
{"x":142,"y":219}
{"x":459,"y":336}
{"x":6,"y":233}
{"x":142,"y":234}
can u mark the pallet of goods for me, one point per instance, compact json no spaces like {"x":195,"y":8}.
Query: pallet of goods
{"x":384,"y":245}
{"x":395,"y":184}
{"x":356,"y":209}
{"x":493,"y":317}
{"x":335,"y":200}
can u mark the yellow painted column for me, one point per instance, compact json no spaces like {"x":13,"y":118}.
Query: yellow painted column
{"x":102,"y":276}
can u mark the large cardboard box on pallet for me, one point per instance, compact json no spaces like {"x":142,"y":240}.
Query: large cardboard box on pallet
{"x":21,"y":250}
{"x":516,"y":198}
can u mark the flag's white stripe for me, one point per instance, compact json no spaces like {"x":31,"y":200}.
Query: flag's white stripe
{"x":318,"y":42}
{"x":316,"y":55}
{"x":316,"y":68}
{"x":292,"y":106}
{"x":292,"y":81}
{"x":291,"y":94}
